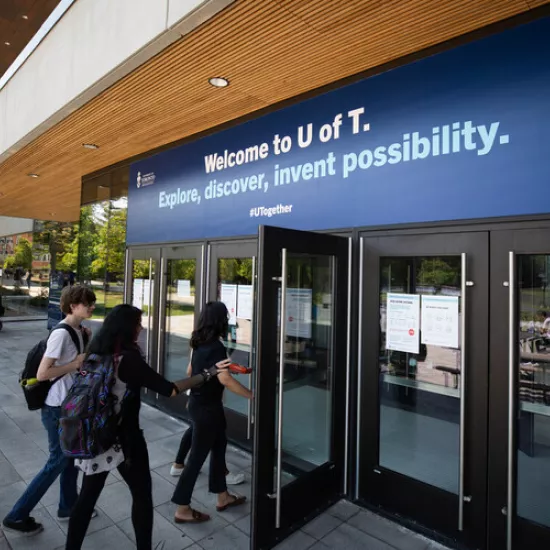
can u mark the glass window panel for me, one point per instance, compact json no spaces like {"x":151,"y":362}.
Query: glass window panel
{"x":533,"y":422}
{"x":180,"y":316}
{"x":419,"y":392}
{"x":235,"y":289}
{"x":308,"y":364}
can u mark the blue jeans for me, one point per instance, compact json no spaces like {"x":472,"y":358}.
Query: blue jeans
{"x":58,"y":464}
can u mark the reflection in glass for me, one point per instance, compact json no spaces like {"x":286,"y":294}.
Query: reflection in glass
{"x":180,"y":316}
{"x":236,"y":290}
{"x":420,"y":392}
{"x":533,"y":421}
{"x":102,"y":239}
{"x":308,"y":364}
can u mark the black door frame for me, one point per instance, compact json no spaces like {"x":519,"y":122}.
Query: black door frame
{"x":388,"y":490}
{"x":311,"y":493}
{"x":238,"y":427}
{"x":531,"y":238}
{"x":183,"y":251}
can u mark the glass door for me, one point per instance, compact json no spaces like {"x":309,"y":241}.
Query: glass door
{"x":423,"y":380}
{"x":232,"y":280}
{"x":142,"y":291}
{"x":519,"y":460}
{"x":300,"y":389}
{"x":180,"y":304}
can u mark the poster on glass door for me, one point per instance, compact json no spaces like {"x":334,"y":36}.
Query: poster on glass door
{"x":228,"y":295}
{"x":141,"y":292}
{"x":299,"y":307}
{"x":244,"y":302}
{"x":184,"y":288}
{"x":403,"y":323}
{"x":440,"y":321}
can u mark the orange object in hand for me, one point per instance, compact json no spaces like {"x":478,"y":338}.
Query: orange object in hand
{"x":235,"y":368}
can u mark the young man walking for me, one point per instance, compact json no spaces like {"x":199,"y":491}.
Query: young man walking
{"x":61,"y":360}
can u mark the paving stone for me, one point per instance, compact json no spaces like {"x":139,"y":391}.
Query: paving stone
{"x":116,"y":501}
{"x":8,"y":474}
{"x":101,"y":521}
{"x":350,"y":538}
{"x":321,"y":526}
{"x":163,"y":532}
{"x":52,"y":537}
{"x":343,"y":510}
{"x":244,"y":525}
{"x":297,"y":541}
{"x":197,"y":531}
{"x":382,"y":529}
{"x":229,"y":538}
{"x":111,"y":537}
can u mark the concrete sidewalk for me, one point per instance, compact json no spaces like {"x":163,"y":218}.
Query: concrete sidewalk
{"x":23,"y":452}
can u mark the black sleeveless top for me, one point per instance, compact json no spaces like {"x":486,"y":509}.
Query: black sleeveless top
{"x":204,"y":357}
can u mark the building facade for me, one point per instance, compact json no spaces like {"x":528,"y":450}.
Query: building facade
{"x":382,"y":246}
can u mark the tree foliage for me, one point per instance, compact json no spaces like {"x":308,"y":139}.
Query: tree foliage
{"x":23,"y":254}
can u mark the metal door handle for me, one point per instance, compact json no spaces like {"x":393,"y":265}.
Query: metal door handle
{"x":251,"y":352}
{"x":148,"y":340}
{"x":163,"y":282}
{"x":281,"y":381}
{"x":511,"y":395}
{"x":464,"y":285}
{"x":348,"y":364}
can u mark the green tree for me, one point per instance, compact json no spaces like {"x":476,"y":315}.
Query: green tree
{"x":110,"y":245}
{"x":23,"y":254}
{"x":9,"y":263}
{"x":57,"y":237}
{"x":86,"y":243}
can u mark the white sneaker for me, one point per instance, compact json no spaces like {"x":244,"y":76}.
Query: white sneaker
{"x":234,"y":479}
{"x":176,"y":472}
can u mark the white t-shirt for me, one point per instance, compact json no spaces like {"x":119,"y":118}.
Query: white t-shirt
{"x":61,"y":348}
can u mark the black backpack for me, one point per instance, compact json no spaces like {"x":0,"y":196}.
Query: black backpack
{"x":36,"y":392}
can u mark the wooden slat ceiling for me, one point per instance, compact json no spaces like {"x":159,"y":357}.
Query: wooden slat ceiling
{"x":270,"y":50}
{"x":19,"y":22}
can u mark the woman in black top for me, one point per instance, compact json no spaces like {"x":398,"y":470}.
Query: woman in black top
{"x":117,"y":337}
{"x":207,"y":416}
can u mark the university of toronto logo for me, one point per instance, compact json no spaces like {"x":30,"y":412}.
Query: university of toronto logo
{"x":145,"y":180}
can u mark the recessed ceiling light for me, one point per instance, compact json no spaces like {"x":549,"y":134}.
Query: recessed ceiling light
{"x":90,"y":146}
{"x":219,"y":82}
{"x":7,"y":43}
{"x":52,"y":213}
{"x":33,"y":175}
{"x":25,"y":17}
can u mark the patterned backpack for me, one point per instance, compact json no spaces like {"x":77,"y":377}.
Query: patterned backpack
{"x":88,"y":422}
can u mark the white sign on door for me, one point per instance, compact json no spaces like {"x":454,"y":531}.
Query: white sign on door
{"x":403,"y":322}
{"x":228,"y":295}
{"x":184,"y":288}
{"x":245,"y":302}
{"x":440,"y":321}
{"x":299,"y":306}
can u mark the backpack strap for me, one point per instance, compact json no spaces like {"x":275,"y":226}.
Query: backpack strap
{"x":74,"y":338}
{"x":73,"y":334}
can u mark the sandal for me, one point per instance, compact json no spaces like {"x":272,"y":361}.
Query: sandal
{"x":237,"y":501}
{"x":198,"y":517}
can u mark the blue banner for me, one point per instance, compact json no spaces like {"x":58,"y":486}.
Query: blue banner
{"x":460,"y":135}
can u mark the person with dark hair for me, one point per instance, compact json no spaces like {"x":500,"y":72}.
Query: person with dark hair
{"x":118,"y":338}
{"x":61,"y":360}
{"x":208,"y":416}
